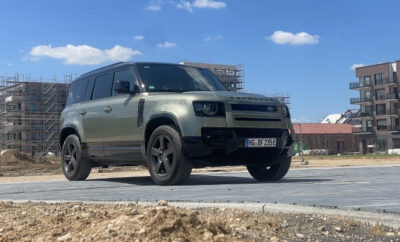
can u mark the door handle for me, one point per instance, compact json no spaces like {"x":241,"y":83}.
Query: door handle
{"x":83,"y":112}
{"x":107,"y":109}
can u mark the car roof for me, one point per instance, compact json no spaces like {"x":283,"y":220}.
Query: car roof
{"x":121,"y":65}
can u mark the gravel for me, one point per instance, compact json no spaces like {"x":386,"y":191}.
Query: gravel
{"x":127,"y":222}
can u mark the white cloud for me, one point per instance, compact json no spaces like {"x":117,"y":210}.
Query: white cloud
{"x":185,"y":5}
{"x":208,"y":4}
{"x":82,"y":54}
{"x":201,"y":4}
{"x":166,"y":45}
{"x":301,"y":38}
{"x":155,"y":5}
{"x":138,"y":37}
{"x":210,"y":38}
{"x":354,"y":66}
{"x":301,"y":120}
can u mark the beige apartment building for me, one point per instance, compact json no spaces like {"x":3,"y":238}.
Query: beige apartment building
{"x":378,"y":98}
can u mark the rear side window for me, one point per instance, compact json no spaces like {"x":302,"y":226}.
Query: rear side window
{"x":123,"y":75}
{"x":76,"y":91}
{"x":102,"y":86}
{"x":89,"y":89}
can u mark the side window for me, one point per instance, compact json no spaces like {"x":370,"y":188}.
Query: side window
{"x":123,"y":75}
{"x":102,"y":86}
{"x":89,"y":89}
{"x":76,"y":91}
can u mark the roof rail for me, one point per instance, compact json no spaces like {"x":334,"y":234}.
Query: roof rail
{"x":101,"y":68}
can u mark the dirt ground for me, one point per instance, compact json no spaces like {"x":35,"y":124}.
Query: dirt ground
{"x":83,"y":222}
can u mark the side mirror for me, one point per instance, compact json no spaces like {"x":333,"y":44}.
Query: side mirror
{"x":122,"y":86}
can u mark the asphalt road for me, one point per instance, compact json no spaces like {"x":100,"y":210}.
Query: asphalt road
{"x":366,"y":188}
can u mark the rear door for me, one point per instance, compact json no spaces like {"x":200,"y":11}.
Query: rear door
{"x":93,"y":115}
{"x":121,"y":137}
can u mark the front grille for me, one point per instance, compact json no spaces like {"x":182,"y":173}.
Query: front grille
{"x":258,"y":133}
{"x":251,"y":107}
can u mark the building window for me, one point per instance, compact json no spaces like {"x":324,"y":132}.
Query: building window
{"x":379,"y":80}
{"x":367,"y":80}
{"x":380,"y":94}
{"x":380,"y":109}
{"x":367,"y":95}
{"x":369,"y":125}
{"x":381,"y":124}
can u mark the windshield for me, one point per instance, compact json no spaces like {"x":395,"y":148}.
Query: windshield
{"x":178,"y":78}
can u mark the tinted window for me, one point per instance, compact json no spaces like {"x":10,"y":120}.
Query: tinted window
{"x":178,"y":78}
{"x":89,"y":89}
{"x":102,"y":86}
{"x":77,"y":91}
{"x":123,"y":75}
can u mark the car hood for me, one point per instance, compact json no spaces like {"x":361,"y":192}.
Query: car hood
{"x":235,"y":96}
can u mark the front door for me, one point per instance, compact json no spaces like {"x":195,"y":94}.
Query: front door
{"x":120,"y":133}
{"x":340,"y":146}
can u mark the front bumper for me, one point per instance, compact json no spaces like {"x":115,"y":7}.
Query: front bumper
{"x":226,"y":146}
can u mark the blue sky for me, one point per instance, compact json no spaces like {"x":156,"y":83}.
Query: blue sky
{"x":304,"y":48}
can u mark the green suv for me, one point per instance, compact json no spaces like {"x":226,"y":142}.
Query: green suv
{"x":171,"y":118}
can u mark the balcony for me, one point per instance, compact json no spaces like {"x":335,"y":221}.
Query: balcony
{"x":357,"y":100}
{"x":358,"y":85}
{"x":358,"y":130}
{"x":365,"y":115}
{"x":387,"y":96}
{"x":381,"y":127}
{"x":386,"y":81}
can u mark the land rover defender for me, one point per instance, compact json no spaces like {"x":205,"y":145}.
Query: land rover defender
{"x":171,"y":118}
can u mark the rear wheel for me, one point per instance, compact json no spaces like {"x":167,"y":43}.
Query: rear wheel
{"x":271,"y":172}
{"x":165,"y":159}
{"x":75,"y":164}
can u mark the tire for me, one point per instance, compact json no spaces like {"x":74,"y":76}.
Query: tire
{"x":271,"y":172}
{"x":165,"y":159}
{"x":75,"y":163}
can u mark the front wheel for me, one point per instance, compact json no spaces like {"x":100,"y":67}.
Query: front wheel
{"x":165,"y":159}
{"x":75,"y":165}
{"x":271,"y":172}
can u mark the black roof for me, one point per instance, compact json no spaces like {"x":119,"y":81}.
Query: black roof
{"x":122,"y":64}
{"x":106,"y":68}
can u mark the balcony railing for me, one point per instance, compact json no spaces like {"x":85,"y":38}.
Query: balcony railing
{"x":387,"y":96}
{"x":358,"y":85}
{"x":382,"y":81}
{"x":381,"y":127}
{"x":365,"y":115}
{"x":385,"y":81}
{"x":362,"y":130}
{"x":357,"y":100}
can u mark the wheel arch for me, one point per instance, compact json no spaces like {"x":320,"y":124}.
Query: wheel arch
{"x":156,"y":121}
{"x":68,"y":130}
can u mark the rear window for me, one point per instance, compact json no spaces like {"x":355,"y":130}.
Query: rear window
{"x":102,"y":86}
{"x":77,"y":91}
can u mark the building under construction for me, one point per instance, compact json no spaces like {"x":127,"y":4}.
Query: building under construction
{"x":30,"y":114}
{"x":230,"y":75}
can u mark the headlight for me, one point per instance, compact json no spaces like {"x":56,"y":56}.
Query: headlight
{"x":209,"y":109}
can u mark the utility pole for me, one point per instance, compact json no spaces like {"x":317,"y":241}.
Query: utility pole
{"x":303,"y":162}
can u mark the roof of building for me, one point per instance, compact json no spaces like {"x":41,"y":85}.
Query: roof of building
{"x":318,"y":128}
{"x":331,"y":118}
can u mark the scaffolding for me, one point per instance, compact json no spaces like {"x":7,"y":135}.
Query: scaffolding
{"x":30,"y":113}
{"x":231,"y":76}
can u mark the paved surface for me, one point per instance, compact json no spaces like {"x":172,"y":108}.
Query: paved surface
{"x":365,"y":188}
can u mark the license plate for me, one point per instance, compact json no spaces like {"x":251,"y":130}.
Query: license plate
{"x":260,"y":142}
